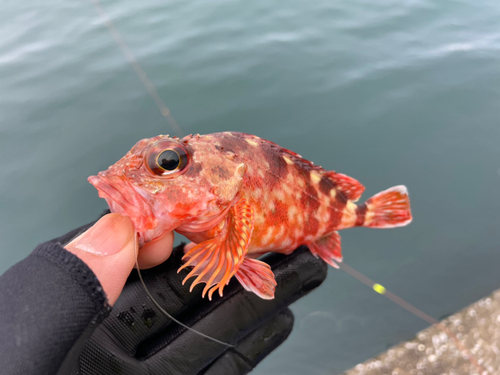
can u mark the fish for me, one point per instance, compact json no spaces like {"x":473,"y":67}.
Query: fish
{"x":238,"y":196}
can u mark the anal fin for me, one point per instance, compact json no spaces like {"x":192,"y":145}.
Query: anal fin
{"x":328,"y":248}
{"x":257,"y":277}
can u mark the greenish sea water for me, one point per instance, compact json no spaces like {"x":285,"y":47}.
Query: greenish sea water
{"x":388,"y":92}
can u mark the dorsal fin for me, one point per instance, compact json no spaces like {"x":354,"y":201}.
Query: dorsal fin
{"x":349,"y":186}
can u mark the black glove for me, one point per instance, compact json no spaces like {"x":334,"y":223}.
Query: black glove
{"x":138,"y":339}
{"x":55,"y":317}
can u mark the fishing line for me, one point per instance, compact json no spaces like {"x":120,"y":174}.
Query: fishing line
{"x":129,"y":55}
{"x":136,"y":252}
{"x":412,"y":309}
{"x":151,"y":89}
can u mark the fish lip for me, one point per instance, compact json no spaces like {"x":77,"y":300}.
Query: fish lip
{"x":122,"y":198}
{"x":109,"y":192}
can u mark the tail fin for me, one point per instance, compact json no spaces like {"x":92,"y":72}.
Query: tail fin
{"x":387,"y":209}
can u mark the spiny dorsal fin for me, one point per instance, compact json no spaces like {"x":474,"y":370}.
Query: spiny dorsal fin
{"x":349,"y":186}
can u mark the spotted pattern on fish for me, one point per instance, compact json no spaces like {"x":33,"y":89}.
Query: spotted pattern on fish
{"x":237,"y":196}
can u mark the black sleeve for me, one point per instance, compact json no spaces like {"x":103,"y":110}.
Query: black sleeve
{"x":47,"y":302}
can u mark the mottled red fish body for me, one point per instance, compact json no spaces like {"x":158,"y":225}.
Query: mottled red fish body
{"x":294,"y":200}
{"x":237,"y":196}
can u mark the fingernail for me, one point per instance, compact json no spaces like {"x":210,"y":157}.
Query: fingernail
{"x":110,"y":235}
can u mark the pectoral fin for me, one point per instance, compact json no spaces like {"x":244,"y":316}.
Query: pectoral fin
{"x":257,"y":277}
{"x":328,"y":248}
{"x":216,"y":260}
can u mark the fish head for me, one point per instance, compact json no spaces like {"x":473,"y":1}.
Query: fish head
{"x":166,"y":183}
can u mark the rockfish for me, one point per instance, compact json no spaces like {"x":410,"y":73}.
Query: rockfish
{"x":238,"y":196}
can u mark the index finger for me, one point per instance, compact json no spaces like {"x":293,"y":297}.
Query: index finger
{"x":156,"y":252}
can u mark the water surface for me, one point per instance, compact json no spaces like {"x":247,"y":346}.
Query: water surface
{"x":392,"y":92}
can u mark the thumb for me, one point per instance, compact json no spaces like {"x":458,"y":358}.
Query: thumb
{"x":108,"y":249}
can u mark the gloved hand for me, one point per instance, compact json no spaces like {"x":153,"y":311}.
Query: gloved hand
{"x":136,"y":338}
{"x":56,"y":316}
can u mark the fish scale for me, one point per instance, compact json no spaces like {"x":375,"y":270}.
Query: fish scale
{"x":237,"y":196}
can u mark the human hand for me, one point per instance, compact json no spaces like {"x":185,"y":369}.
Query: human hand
{"x":108,"y":248}
{"x":137,"y":339}
{"x":53,"y":305}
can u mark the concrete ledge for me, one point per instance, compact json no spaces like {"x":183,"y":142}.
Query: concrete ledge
{"x":432,"y":352}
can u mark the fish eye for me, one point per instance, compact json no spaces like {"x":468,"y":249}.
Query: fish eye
{"x":167,"y":158}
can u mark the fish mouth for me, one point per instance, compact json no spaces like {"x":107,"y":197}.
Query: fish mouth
{"x":123,"y":199}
